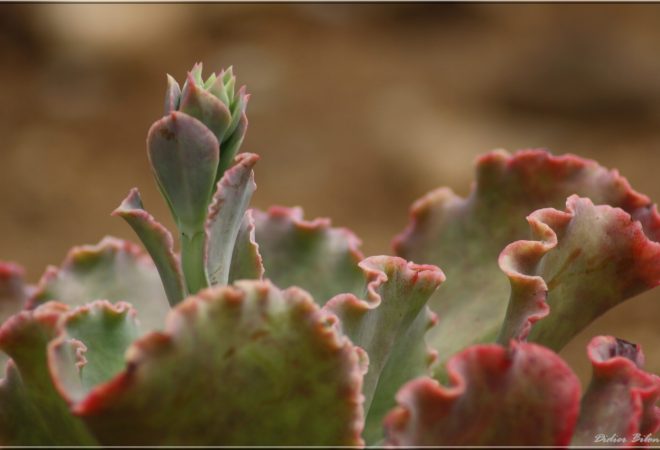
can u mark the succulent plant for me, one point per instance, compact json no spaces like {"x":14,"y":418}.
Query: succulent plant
{"x":266,"y":328}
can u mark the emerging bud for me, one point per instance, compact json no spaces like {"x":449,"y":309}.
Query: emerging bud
{"x":216,"y":104}
{"x":190,"y":148}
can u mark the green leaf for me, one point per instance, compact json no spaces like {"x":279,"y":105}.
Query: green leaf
{"x":225,"y":216}
{"x":184,"y":156}
{"x":13,"y":294}
{"x":31,"y":410}
{"x":229,"y":148}
{"x":390,"y":326}
{"x":113,"y":270}
{"x":589,"y":259}
{"x":172,"y":95}
{"x":90,"y":346}
{"x":206,"y":107}
{"x":310,"y":254}
{"x":246,"y":262}
{"x":243,"y":365}
{"x":157,"y":240}
{"x":465,"y":236}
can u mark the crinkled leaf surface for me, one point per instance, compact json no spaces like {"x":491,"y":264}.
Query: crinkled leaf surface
{"x":588,"y":259}
{"x":389,"y":325}
{"x":309,"y":254}
{"x":621,"y":398}
{"x":31,"y":410}
{"x":225,"y":216}
{"x":157,"y":240}
{"x":90,"y":346}
{"x":113,"y":270}
{"x":241,"y":365}
{"x":465,"y":236}
{"x":246,"y":262}
{"x":522,"y":395}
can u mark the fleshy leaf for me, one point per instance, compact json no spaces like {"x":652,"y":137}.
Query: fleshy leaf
{"x":90,"y":346}
{"x":390,"y":326}
{"x":240,"y":365}
{"x":158,"y":241}
{"x":621,"y":398}
{"x":13,"y":290}
{"x":246,"y":262}
{"x":31,"y":410}
{"x":522,"y":395}
{"x":205,"y":107}
{"x":13,"y":294}
{"x":465,"y":236}
{"x":184,"y":156}
{"x":231,"y":145}
{"x":172,"y":95}
{"x":113,"y":270}
{"x":312,"y":255}
{"x":225,"y":216}
{"x":589,"y":259}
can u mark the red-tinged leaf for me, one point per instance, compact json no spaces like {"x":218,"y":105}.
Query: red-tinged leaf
{"x":184,"y":156}
{"x":240,"y":365}
{"x":13,"y":290}
{"x":113,"y":270}
{"x":157,"y":240}
{"x":205,"y":107}
{"x":523,"y":395}
{"x":31,"y":410}
{"x":225,"y":215}
{"x":619,"y":407}
{"x":310,"y":254}
{"x":90,"y":345}
{"x":464,"y":236}
{"x":389,"y":325}
{"x":587,"y":260}
{"x":172,"y":95}
{"x":246,"y":262}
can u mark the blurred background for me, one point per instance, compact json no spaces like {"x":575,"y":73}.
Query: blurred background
{"x":356,"y":110}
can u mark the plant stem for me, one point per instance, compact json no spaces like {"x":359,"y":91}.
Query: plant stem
{"x":192,"y":261}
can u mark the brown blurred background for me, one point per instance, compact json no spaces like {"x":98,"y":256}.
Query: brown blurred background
{"x":357,"y":110}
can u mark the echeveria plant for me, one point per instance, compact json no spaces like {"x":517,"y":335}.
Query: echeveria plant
{"x":267,"y":328}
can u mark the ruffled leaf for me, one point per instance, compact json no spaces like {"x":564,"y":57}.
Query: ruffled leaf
{"x":90,"y":346}
{"x":309,"y":254}
{"x":113,"y":270}
{"x":158,"y":241}
{"x":246,"y":262}
{"x":390,"y":326}
{"x":241,"y":365}
{"x":589,"y":259}
{"x":31,"y":410}
{"x":225,"y":216}
{"x":465,"y":236}
{"x":621,"y":399}
{"x":522,"y":395}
